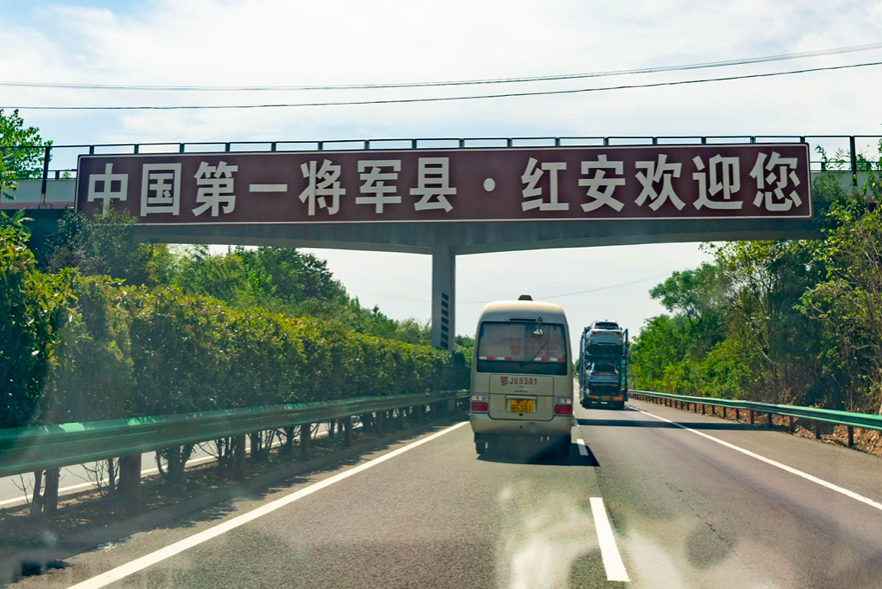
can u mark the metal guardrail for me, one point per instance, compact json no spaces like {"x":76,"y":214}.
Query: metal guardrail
{"x":852,"y":419}
{"x":44,"y":447}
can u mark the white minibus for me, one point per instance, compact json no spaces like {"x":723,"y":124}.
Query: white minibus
{"x":522,"y":376}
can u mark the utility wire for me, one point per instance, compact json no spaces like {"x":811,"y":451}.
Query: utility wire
{"x":451,"y":98}
{"x":435,"y":84}
{"x":541,"y":298}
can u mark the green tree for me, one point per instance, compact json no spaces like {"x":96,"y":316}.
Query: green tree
{"x":21,"y":151}
{"x":32,"y":308}
{"x":103,"y":246}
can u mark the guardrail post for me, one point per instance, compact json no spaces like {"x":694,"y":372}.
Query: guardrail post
{"x":131,"y":465}
{"x":703,"y":409}
{"x":347,"y":431}
{"x":737,"y":414}
{"x":790,"y":423}
{"x":752,"y":416}
{"x":305,"y":438}
{"x":770,"y":421}
{"x":850,"y":436}
{"x":331,"y":425}
{"x":401,"y":418}
{"x":817,"y":429}
{"x":379,"y":422}
{"x":50,"y":493}
{"x":239,"y":457}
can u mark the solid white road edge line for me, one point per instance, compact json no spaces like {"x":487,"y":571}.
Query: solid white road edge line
{"x":609,"y":552}
{"x":790,"y":469}
{"x":142,"y":563}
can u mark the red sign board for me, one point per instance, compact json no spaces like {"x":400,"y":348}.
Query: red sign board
{"x":511,"y":184}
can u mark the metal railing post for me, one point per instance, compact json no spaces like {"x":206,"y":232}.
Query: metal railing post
{"x":770,"y":421}
{"x":239,"y":457}
{"x":50,"y":493}
{"x":305,"y":440}
{"x":132,"y":466}
{"x":817,"y":429}
{"x":853,"y":151}
{"x":378,"y":422}
{"x":347,"y":431}
{"x":47,"y":154}
{"x":752,"y":416}
{"x":850,"y":436}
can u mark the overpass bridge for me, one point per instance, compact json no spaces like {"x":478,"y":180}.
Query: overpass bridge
{"x":46,"y":197}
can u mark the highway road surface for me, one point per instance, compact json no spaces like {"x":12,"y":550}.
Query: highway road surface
{"x":650,"y":497}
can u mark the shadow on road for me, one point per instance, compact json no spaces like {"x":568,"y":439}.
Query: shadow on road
{"x":514,"y":455}
{"x":662,"y":424}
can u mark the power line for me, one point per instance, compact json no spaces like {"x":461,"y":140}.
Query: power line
{"x":451,"y":98}
{"x":435,"y":84}
{"x":541,"y":298}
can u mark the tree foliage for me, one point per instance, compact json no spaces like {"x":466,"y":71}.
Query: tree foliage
{"x":31,"y":311}
{"x":21,"y":151}
{"x":785,"y":322}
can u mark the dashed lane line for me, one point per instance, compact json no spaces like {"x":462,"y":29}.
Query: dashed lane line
{"x":776,"y":464}
{"x":142,"y":563}
{"x":609,"y":552}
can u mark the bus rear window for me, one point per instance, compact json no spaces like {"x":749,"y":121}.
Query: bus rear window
{"x":522,"y":347}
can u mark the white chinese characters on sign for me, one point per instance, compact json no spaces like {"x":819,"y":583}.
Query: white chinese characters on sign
{"x":161,"y":189}
{"x":771,"y":186}
{"x":433,"y":184}
{"x":532,"y":192}
{"x":323,"y":184}
{"x":107,"y":187}
{"x":374,"y":183}
{"x":725,"y":178}
{"x":601,"y":188}
{"x":216,"y":188}
{"x":656,"y":172}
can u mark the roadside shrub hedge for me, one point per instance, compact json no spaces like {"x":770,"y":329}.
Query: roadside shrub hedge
{"x":133,"y":351}
{"x":88,"y":348}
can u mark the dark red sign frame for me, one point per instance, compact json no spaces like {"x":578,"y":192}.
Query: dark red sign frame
{"x":445,"y":185}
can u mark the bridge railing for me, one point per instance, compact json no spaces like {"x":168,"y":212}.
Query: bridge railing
{"x":817,"y":415}
{"x":59,"y":161}
{"x":47,"y":447}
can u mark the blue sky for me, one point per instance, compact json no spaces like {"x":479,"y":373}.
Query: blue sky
{"x":205,"y":42}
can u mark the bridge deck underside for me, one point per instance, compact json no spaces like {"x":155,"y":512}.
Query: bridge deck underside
{"x":482,"y":237}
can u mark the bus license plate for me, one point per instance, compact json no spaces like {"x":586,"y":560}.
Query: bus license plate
{"x":520,"y":405}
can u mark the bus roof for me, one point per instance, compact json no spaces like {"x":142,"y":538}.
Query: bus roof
{"x":524,"y":310}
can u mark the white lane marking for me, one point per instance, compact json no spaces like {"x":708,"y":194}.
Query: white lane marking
{"x":790,"y":469}
{"x":142,"y":563}
{"x":268,"y":188}
{"x":583,"y":449}
{"x":609,"y":552}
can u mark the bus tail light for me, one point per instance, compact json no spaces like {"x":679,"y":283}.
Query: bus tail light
{"x":479,"y":404}
{"x":563,"y":406}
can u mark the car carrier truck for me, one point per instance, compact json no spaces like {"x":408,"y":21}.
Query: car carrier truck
{"x":603,"y":365}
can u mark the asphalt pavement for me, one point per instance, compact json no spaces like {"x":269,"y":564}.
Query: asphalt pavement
{"x":700,"y":502}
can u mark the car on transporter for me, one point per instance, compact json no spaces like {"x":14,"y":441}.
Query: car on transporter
{"x":521,"y":377}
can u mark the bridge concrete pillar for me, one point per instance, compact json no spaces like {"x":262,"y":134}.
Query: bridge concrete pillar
{"x":443,"y":297}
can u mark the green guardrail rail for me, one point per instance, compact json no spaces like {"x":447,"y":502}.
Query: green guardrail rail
{"x":817,"y":414}
{"x":43,"y":447}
